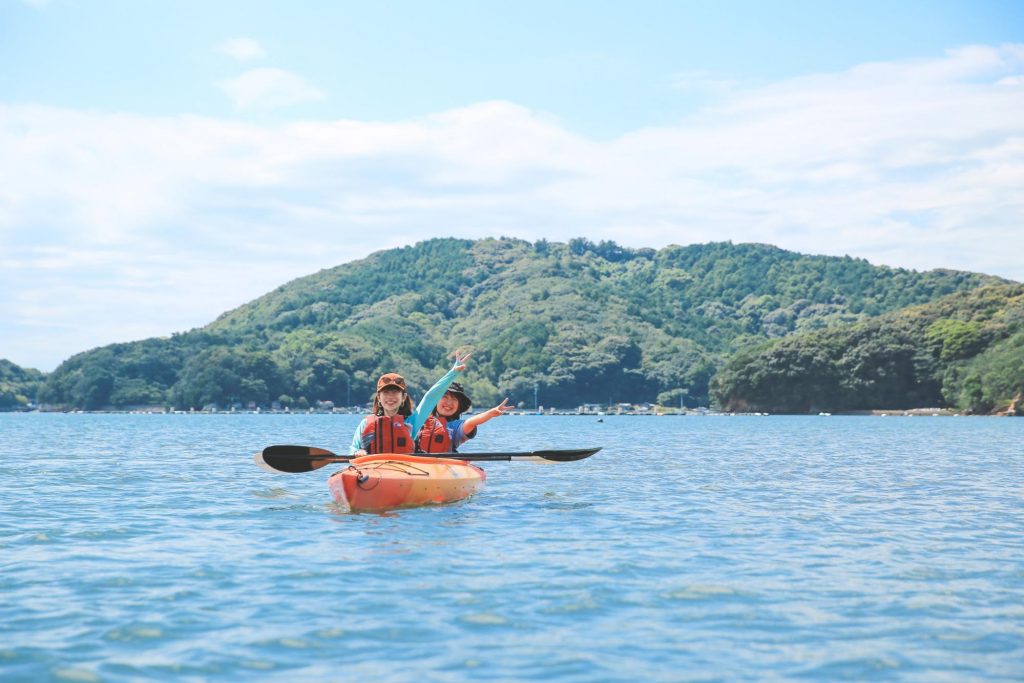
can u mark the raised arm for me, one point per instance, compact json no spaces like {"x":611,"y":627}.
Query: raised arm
{"x":434,"y":394}
{"x":474,"y":421}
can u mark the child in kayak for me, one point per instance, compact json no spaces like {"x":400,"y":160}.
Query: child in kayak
{"x":393,"y":425}
{"x":444,"y":431}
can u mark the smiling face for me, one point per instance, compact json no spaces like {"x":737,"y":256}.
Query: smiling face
{"x":448,"y":405}
{"x":391,"y":399}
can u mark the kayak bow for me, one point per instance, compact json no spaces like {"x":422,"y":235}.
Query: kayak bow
{"x":389,"y":481}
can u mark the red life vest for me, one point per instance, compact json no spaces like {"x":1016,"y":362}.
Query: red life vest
{"x":434,"y":436}
{"x":387,"y":435}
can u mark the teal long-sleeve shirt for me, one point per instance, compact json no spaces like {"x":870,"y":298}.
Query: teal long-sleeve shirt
{"x":419,"y":416}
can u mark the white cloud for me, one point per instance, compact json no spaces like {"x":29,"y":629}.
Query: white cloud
{"x":266,"y":88}
{"x":242,"y":49}
{"x":114,"y":227}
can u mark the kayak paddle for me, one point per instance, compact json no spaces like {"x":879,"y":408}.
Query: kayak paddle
{"x":295,"y":459}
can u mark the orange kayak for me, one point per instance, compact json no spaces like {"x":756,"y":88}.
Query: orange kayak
{"x":374,"y":483}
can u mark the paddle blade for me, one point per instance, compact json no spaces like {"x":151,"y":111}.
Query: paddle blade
{"x":296,"y":459}
{"x":258,"y":459}
{"x":566,"y":455}
{"x":298,"y":452}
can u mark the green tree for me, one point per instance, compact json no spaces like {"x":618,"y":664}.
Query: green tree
{"x":583,"y":322}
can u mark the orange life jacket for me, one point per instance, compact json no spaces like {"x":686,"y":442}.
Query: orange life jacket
{"x":434,"y":436}
{"x":387,"y":435}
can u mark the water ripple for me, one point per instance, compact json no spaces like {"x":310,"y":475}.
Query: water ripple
{"x":142,"y":547}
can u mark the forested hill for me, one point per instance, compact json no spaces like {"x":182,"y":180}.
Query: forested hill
{"x":18,"y":386}
{"x":577,"y":322}
{"x":965,"y":351}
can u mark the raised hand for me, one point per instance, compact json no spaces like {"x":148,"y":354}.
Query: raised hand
{"x":473,"y":421}
{"x":500,"y":409}
{"x":460,"y":360}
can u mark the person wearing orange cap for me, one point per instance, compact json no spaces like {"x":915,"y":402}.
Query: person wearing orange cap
{"x":393,"y":425}
{"x":445,"y":430}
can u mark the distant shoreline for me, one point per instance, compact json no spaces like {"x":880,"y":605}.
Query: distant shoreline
{"x":891,"y":412}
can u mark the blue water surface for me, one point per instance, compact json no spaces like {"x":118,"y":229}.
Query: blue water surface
{"x":150,"y":547}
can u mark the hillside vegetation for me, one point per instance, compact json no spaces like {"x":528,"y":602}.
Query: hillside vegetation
{"x":578,"y":322}
{"x":18,"y":386}
{"x":965,"y":351}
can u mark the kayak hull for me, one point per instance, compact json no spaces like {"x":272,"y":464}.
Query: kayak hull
{"x":389,"y":481}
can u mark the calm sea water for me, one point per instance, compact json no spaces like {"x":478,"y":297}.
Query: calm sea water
{"x":150,"y":547}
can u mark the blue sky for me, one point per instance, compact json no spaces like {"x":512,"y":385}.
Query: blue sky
{"x":165,"y":162}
